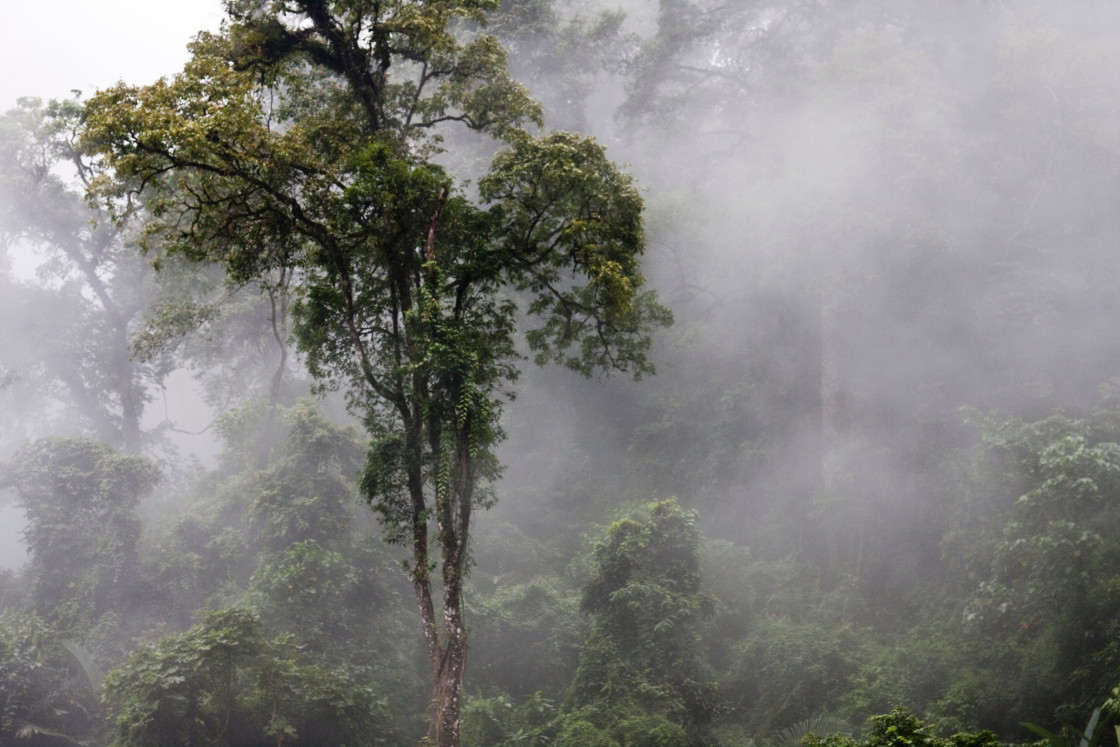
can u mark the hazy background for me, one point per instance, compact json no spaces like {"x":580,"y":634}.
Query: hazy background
{"x":886,"y":230}
{"x":52,"y":48}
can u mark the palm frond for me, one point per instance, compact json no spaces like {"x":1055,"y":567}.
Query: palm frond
{"x":93,"y":673}
{"x":821,"y":724}
{"x":27,"y":730}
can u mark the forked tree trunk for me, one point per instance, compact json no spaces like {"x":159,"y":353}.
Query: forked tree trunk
{"x":447,"y":687}
{"x":447,"y":655}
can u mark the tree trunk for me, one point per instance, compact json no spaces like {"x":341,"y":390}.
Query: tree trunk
{"x":453,"y":509}
{"x":447,"y":659}
{"x":447,"y":685}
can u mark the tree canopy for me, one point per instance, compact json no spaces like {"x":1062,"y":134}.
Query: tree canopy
{"x":298,"y":145}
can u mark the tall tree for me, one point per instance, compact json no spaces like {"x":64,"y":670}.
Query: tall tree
{"x":69,"y":334}
{"x":89,"y":335}
{"x":301,"y":138}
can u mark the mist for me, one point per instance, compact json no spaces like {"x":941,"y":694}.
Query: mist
{"x":877,"y":465}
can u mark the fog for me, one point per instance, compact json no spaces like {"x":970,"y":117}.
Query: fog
{"x":889,"y":234}
{"x":86,"y":46}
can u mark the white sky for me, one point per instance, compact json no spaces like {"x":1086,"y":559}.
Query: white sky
{"x":52,"y":46}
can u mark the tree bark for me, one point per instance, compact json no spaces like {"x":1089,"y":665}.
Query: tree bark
{"x":446,"y":644}
{"x":447,"y":678}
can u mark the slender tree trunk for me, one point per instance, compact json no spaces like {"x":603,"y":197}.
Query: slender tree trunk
{"x":447,"y":673}
{"x":452,"y":506}
{"x":446,"y":643}
{"x":278,"y":299}
{"x":447,"y":653}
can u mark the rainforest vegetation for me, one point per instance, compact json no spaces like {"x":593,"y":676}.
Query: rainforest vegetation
{"x":533,"y":372}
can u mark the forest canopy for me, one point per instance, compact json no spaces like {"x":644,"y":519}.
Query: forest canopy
{"x":800,"y":427}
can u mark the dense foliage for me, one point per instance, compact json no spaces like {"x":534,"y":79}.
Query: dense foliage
{"x":879,"y":465}
{"x":640,"y":680}
{"x":222,"y":682}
